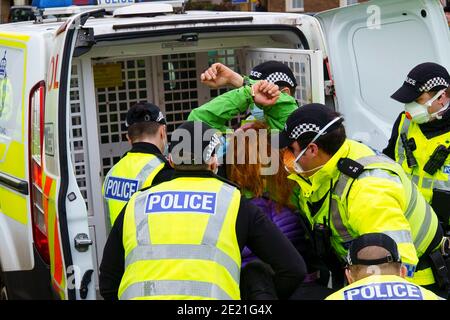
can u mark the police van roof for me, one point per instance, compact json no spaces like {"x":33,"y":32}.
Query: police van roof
{"x":114,"y":25}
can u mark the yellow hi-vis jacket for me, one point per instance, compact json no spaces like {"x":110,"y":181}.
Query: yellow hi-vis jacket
{"x":180,"y":241}
{"x":383,"y":287}
{"x":133,"y":172}
{"x":381,"y":199}
{"x":424,"y":149}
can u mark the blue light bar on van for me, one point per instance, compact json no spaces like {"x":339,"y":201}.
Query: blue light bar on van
{"x":43,"y":4}
{"x":62,"y":3}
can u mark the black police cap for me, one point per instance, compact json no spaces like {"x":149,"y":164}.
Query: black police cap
{"x":193,"y":143}
{"x":425,"y":77}
{"x":309,"y":118}
{"x":373,"y":239}
{"x":275,"y":72}
{"x":144,"y":112}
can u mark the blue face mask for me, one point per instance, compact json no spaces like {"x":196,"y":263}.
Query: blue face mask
{"x":222,"y":149}
{"x":257,"y":113}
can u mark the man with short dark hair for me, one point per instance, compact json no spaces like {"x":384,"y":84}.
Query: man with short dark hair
{"x":225,"y":107}
{"x":345,"y":190}
{"x":143,"y":164}
{"x":375,"y":272}
{"x":182,"y":239}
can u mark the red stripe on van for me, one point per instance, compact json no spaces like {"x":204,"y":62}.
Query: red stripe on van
{"x":58,"y":259}
{"x":47,"y":187}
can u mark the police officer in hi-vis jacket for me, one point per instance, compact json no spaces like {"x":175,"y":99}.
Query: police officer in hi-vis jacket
{"x":182,"y":239}
{"x":143,"y":164}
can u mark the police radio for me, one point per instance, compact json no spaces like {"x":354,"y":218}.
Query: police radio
{"x":409,"y":146}
{"x":436,"y":160}
{"x":322,"y":239}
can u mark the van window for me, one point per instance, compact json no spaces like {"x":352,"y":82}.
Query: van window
{"x":11,"y":76}
{"x":21,"y":14}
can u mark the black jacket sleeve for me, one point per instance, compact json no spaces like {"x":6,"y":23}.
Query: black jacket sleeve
{"x":164,"y":175}
{"x":390,"y":149}
{"x":264,"y":239}
{"x":113,"y":261}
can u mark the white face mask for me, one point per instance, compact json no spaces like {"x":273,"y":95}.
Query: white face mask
{"x":418,"y":113}
{"x":297,"y":166}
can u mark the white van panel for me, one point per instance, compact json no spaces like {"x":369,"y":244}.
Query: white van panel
{"x":372,"y":47}
{"x":15,"y":240}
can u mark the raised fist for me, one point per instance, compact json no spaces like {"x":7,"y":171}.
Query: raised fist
{"x":265,"y":93}
{"x":219,"y":75}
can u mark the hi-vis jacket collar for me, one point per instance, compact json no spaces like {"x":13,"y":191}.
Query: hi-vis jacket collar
{"x":324,"y":175}
{"x":202,"y":174}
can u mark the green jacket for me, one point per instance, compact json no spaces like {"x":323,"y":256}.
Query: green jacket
{"x":225,"y":107}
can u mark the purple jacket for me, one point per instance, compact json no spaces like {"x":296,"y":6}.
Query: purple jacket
{"x":286,"y":220}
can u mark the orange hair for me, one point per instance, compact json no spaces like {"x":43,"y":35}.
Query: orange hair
{"x":248,"y":176}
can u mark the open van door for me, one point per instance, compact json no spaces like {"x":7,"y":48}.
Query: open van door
{"x":70,"y":246}
{"x":371,"y":48}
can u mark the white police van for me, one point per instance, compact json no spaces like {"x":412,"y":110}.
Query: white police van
{"x":66,"y":84}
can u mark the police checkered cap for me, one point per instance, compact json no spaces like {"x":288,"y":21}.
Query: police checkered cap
{"x":275,"y":72}
{"x":193,"y":143}
{"x":422,"y":78}
{"x":313,"y":118}
{"x":213,"y":143}
{"x":280,"y":77}
{"x":303,"y":128}
{"x":432,"y":83}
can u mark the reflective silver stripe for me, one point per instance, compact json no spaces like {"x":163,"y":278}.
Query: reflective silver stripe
{"x":415,"y":179}
{"x":340,"y":188}
{"x":174,"y":288}
{"x":379,"y":173}
{"x":147,"y":170}
{"x":401,"y":150}
{"x":216,"y":220}
{"x":184,"y":251}
{"x":425,"y":226}
{"x":335,"y":214}
{"x":400,"y":236}
{"x":412,"y":201}
{"x":340,"y":185}
{"x":108,"y":215}
{"x":365,"y":161}
{"x":427,"y":183}
{"x":338,"y":223}
{"x":442,"y":185}
{"x":141,"y":220}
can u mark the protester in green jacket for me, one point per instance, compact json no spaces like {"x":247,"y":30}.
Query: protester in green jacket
{"x":225,"y":107}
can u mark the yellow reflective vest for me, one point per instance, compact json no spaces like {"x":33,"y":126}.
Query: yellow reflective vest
{"x":381,"y":199}
{"x":180,"y":241}
{"x":133,"y":172}
{"x":424,"y":149}
{"x":383,"y":287}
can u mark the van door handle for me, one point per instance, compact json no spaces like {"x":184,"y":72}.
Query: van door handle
{"x":85,"y":283}
{"x":82,"y":242}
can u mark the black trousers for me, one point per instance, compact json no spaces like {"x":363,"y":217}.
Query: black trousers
{"x":257,"y":284}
